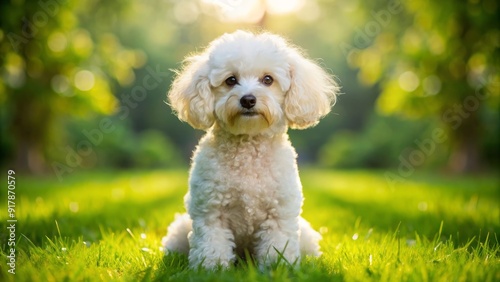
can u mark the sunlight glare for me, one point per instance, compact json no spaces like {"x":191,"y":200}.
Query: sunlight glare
{"x":250,"y":11}
{"x":279,"y":7}
{"x":186,"y":12}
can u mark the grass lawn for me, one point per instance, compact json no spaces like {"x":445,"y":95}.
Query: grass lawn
{"x":108,"y":226}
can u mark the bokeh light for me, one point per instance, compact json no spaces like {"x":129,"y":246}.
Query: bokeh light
{"x":431,"y":85}
{"x":57,"y":42}
{"x":82,"y":43}
{"x":60,"y":84}
{"x":84,"y":80}
{"x":408,"y":81}
{"x":14,"y":70}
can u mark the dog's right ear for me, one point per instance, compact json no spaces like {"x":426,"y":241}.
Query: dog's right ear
{"x":191,"y":96}
{"x":312,"y":92}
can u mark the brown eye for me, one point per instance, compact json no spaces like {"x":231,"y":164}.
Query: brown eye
{"x":231,"y":81}
{"x":267,"y":80}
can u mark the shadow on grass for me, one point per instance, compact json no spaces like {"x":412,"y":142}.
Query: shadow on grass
{"x":114,"y":217}
{"x":175,"y":267}
{"x":384,"y":218}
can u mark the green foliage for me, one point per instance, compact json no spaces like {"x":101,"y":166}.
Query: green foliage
{"x":56,"y":66}
{"x":385,"y":140}
{"x":108,"y":226}
{"x":430,"y":55}
{"x":434,"y":59}
{"x":65,"y":61}
{"x":120,"y":147}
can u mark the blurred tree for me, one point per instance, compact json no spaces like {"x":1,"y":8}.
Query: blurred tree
{"x":67,"y":66}
{"x":434,"y":58}
{"x":59,"y":59}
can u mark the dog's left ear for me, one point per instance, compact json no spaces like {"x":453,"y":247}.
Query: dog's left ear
{"x":311,"y":94}
{"x":191,"y":95}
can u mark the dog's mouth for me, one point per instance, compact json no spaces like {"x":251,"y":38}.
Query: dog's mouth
{"x":250,"y":116}
{"x":249,"y":113}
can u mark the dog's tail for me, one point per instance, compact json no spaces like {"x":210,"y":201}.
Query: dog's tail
{"x":177,"y":235}
{"x":309,"y":239}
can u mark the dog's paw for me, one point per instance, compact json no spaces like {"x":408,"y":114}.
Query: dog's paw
{"x":210,"y":263}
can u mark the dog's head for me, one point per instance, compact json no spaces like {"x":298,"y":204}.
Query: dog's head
{"x":251,"y":84}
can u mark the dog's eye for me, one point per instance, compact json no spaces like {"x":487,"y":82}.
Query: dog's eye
{"x":267,"y":80}
{"x":231,"y":81}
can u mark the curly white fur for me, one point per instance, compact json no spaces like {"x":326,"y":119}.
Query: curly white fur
{"x":244,"y":187}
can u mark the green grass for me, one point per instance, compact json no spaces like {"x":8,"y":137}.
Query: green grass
{"x":108,"y":226}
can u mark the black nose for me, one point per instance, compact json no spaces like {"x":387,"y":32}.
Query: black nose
{"x":248,"y":101}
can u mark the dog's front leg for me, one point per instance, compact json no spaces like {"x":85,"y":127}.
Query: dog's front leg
{"x":278,"y":237}
{"x":211,"y":244}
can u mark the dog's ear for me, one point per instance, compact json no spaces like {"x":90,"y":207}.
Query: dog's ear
{"x":191,"y":96}
{"x":311,"y":94}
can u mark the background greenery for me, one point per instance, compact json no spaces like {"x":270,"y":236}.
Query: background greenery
{"x":405,"y":67}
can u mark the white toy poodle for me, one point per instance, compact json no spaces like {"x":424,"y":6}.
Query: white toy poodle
{"x":245,"y":90}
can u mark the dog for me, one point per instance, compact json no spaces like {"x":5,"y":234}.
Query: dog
{"x":245,"y":90}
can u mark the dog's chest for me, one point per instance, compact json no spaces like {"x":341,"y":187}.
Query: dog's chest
{"x":245,"y":181}
{"x":249,"y":174}
{"x":251,"y":183}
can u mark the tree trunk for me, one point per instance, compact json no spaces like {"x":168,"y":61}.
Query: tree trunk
{"x":465,"y":153}
{"x":29,"y":159}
